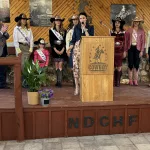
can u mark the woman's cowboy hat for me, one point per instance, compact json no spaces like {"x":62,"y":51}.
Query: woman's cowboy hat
{"x":138,"y":19}
{"x":21,"y":16}
{"x":73,"y":17}
{"x":40,"y":41}
{"x":118,"y":19}
{"x":57,"y":18}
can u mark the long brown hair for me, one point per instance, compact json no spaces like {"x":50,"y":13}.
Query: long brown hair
{"x":27,"y":24}
{"x":62,"y":30}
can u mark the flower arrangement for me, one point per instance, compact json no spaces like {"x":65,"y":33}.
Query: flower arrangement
{"x":46,"y":93}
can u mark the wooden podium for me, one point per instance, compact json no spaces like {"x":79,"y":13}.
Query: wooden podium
{"x":96,"y":68}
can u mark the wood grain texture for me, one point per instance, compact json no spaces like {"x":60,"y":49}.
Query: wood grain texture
{"x":96,"y":68}
{"x":97,"y":9}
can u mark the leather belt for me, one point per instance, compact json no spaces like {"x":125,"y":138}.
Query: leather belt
{"x":23,"y":43}
{"x":134,"y":44}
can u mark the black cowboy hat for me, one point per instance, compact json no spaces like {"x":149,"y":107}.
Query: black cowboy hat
{"x":40,"y":41}
{"x":56,"y":18}
{"x":21,"y":16}
{"x":118,"y":19}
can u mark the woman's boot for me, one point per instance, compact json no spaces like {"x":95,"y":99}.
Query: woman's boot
{"x":130,"y":77}
{"x":76,"y":92}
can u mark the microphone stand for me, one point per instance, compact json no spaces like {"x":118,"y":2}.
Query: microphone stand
{"x":101,"y":22}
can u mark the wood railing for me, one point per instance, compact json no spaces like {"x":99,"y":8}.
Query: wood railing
{"x":16,"y":62}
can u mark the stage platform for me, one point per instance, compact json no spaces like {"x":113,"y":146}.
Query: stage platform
{"x":68,"y":116}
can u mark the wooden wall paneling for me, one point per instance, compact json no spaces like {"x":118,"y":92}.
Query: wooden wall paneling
{"x":58,"y":123}
{"x":28,"y":125}
{"x":0,"y":126}
{"x":145,"y":121}
{"x":98,"y":10}
{"x":41,"y":124}
{"x":132,"y":120}
{"x":73,"y":122}
{"x":89,"y":119}
{"x":118,"y":121}
{"x":104,"y":122}
{"x":9,"y":126}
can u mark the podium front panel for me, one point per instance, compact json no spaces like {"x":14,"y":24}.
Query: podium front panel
{"x":97,"y":55}
{"x":96,"y":68}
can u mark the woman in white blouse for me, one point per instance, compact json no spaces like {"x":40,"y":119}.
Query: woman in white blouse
{"x":23,"y":38}
{"x":73,"y":21}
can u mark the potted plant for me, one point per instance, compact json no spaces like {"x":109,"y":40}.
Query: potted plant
{"x":34,"y":77}
{"x":45,"y":96}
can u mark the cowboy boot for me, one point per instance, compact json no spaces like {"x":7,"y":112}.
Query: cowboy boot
{"x":73,"y":79}
{"x":135,"y":82}
{"x":57,"y":72}
{"x":130,"y":77}
{"x":118,"y":78}
{"x":115,"y":77}
{"x":59,"y":78}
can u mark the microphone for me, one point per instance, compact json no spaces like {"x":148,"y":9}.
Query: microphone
{"x":82,"y":28}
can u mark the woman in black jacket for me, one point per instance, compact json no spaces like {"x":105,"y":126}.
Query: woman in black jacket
{"x":57,"y":36}
{"x":82,"y":29}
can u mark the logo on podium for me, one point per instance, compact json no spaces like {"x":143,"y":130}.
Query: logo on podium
{"x":98,"y":60}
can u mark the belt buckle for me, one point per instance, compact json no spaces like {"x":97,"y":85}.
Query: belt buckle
{"x":117,"y":43}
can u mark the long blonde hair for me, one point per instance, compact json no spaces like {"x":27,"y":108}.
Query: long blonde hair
{"x":140,"y":26}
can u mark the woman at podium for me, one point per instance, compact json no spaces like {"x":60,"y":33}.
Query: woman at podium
{"x":82,"y":29}
{"x":119,"y":33}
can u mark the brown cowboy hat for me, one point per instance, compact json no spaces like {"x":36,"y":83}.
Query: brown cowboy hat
{"x":21,"y":16}
{"x":73,"y":18}
{"x":138,"y":19}
{"x":57,"y":18}
{"x":118,"y":19}
{"x":40,"y":41}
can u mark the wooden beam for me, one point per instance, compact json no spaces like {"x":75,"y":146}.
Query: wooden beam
{"x":16,"y":62}
{"x":18,"y":102}
{"x":10,"y":60}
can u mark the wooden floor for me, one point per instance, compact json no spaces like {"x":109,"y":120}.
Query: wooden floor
{"x":63,"y":97}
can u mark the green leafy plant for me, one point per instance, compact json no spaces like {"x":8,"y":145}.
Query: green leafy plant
{"x":34,"y":76}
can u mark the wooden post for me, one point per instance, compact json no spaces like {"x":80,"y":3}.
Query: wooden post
{"x":16,"y":62}
{"x":18,"y":102}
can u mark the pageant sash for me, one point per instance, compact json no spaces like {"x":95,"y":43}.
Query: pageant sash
{"x":57,"y":34}
{"x":26,"y":38}
{"x":134,"y":34}
{"x":41,"y":54}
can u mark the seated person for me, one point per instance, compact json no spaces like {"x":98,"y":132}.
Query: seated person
{"x":41,"y":54}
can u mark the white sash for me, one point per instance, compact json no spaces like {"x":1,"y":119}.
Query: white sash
{"x":41,"y":54}
{"x":57,"y":34}
{"x":134,"y":34}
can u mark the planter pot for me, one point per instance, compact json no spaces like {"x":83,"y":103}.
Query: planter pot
{"x":33,"y":98}
{"x":44,"y":101}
